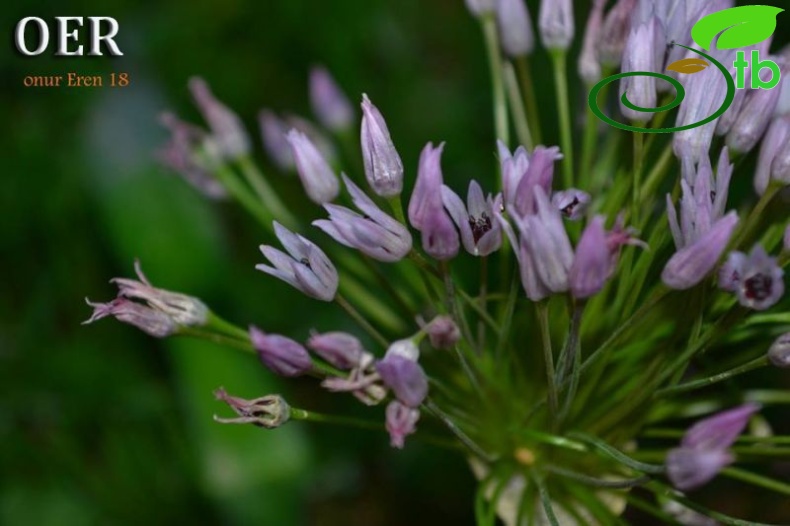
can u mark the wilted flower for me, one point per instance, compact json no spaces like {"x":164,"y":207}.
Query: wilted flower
{"x":480,"y":232}
{"x":375,"y":234}
{"x":401,"y":422}
{"x":226,"y":127}
{"x":319,"y":180}
{"x":704,"y":450}
{"x":270,"y":411}
{"x":157,"y":312}
{"x":283,"y":356}
{"x":779,"y":353}
{"x":383,"y":166}
{"x":756,"y":279}
{"x":515,"y":27}
{"x":305,"y":267}
{"x":555,"y":24}
{"x":329,"y":103}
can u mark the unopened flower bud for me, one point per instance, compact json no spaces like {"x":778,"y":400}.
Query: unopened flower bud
{"x":555,"y":23}
{"x":329,"y":103}
{"x":589,"y":65}
{"x":515,"y":27}
{"x":443,"y":332}
{"x":616,"y":26}
{"x":318,"y":179}
{"x":779,"y":353}
{"x":226,"y":127}
{"x":341,"y":349}
{"x":268,"y":411}
{"x":383,"y":165}
{"x":273,"y":132}
{"x":400,"y":372}
{"x":281,"y":355}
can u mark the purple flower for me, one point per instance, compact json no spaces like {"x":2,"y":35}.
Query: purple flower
{"x":754,"y":116}
{"x":400,"y":372}
{"x":281,"y":355}
{"x":274,"y":131}
{"x":375,"y":234}
{"x":401,"y":422}
{"x":779,"y":353}
{"x":426,"y":209}
{"x":267,"y":411}
{"x":589,"y":66}
{"x":522,"y":172}
{"x":157,"y":312}
{"x":443,"y":332}
{"x":226,"y":127}
{"x":691,"y":264}
{"x":188,"y":154}
{"x":341,"y":349}
{"x":644,"y":51}
{"x":572,"y":203}
{"x":773,"y":162}
{"x":756,"y":279}
{"x":319,"y":180}
{"x":555,"y":24}
{"x":305,"y":267}
{"x":383,"y":166}
{"x":480,"y":232}
{"x":329,"y":103}
{"x":704,"y":449}
{"x":616,"y":26}
{"x":515,"y":27}
{"x":321,"y":141}
{"x":787,"y":239}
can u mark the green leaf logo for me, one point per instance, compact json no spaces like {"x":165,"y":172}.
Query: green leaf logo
{"x":741,"y":26}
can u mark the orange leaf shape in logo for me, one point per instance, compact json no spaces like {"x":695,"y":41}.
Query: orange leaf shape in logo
{"x":688,"y":65}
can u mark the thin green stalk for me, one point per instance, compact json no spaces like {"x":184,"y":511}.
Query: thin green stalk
{"x":545,"y":500}
{"x":223,"y":326}
{"x":617,"y":455}
{"x":591,"y":123}
{"x":575,"y":358}
{"x":361,"y":320}
{"x":433,"y":409}
{"x":242,"y":195}
{"x":482,"y":301}
{"x":753,"y":220}
{"x":639,"y":150}
{"x":558,"y":58}
{"x":757,"y":480}
{"x":597,"y":482}
{"x":517,"y":111}
{"x":311,"y":416}
{"x":548,"y":356}
{"x":495,"y":65}
{"x":266,"y":193}
{"x":220,"y":339}
{"x":762,"y":361}
{"x":523,"y":71}
{"x":653,"y":179}
{"x":386,"y":284}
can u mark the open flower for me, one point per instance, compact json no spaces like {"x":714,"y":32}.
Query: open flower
{"x":756,"y":279}
{"x":480,"y":232}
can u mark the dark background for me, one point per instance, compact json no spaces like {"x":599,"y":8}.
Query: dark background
{"x":102,"y":424}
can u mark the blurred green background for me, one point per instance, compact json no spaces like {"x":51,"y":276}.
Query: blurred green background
{"x":103,"y":425}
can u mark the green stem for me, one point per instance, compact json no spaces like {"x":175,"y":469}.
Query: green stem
{"x":566,"y":140}
{"x":716,"y":378}
{"x":433,"y":409}
{"x":311,"y":416}
{"x":757,"y":480}
{"x":599,"y":483}
{"x":525,"y":79}
{"x":653,"y":179}
{"x":241,"y":194}
{"x":753,"y":220}
{"x":223,"y":326}
{"x":361,"y":320}
{"x":574,"y":359}
{"x":617,"y":455}
{"x":548,"y":356}
{"x":517,"y":111}
{"x":495,"y":64}
{"x":482,"y":301}
{"x":639,"y":150}
{"x":545,"y":500}
{"x":266,"y":193}
{"x":588,"y":145}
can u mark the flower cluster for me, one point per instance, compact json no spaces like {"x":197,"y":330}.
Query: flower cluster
{"x":641,"y":261}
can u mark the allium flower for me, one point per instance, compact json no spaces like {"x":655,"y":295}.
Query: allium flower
{"x":779,"y":353}
{"x":555,"y":24}
{"x":753,"y":117}
{"x":328,"y":101}
{"x":226,"y":127}
{"x":480,"y":232}
{"x":273,"y":132}
{"x":317,"y":136}
{"x":188,"y":153}
{"x":319,"y":180}
{"x":375,"y":234}
{"x":269,"y":412}
{"x":341,"y":349}
{"x":443,"y":333}
{"x":157,"y":312}
{"x":644,"y":51}
{"x":515,"y":27}
{"x":616,"y":26}
{"x":704,"y":450}
{"x":401,"y":422}
{"x":426,"y":208}
{"x":305,"y":266}
{"x":756,"y":279}
{"x":400,"y":372}
{"x":773,"y":162}
{"x":523,"y":172}
{"x":383,"y":166}
{"x":283,"y":356}
{"x":572,"y":203}
{"x":589,"y":65}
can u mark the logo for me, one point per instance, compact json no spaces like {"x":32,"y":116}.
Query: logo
{"x":738,"y":27}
